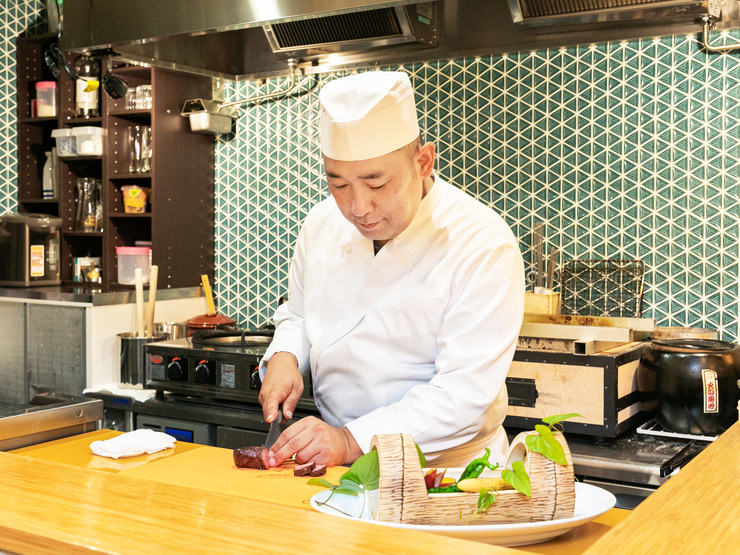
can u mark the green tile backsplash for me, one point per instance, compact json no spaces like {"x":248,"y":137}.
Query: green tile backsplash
{"x":16,"y":17}
{"x":622,"y":150}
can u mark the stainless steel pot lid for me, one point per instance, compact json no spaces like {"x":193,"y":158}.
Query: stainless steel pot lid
{"x":229,"y":338}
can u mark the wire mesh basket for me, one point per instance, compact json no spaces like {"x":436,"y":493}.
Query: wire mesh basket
{"x":603,"y":288}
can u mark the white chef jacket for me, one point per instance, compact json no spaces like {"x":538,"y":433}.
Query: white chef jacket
{"x":417,"y":339}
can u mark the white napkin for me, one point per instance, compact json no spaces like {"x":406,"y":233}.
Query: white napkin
{"x":133,"y":443}
{"x":124,"y":390}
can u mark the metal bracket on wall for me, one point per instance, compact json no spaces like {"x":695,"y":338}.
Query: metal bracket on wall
{"x":707,"y":23}
{"x":283,"y":92}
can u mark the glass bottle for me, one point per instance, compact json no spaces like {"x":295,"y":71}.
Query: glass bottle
{"x":87,"y":212}
{"x":86,"y":103}
{"x":47,"y":180}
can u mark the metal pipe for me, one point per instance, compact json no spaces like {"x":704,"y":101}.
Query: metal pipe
{"x":707,"y":21}
{"x":283,"y":92}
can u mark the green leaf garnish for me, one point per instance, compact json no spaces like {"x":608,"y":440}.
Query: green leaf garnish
{"x":540,"y":445}
{"x":422,"y":458}
{"x":485,"y":500}
{"x":558,"y":418}
{"x":320,"y":482}
{"x":365,"y":472}
{"x":517,"y":477}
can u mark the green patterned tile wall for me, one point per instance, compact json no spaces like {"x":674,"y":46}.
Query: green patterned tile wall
{"x":16,"y":17}
{"x":621,"y":150}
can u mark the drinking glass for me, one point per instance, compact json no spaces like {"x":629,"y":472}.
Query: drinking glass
{"x":134,"y":148}
{"x":144,"y":97}
{"x":89,"y":207}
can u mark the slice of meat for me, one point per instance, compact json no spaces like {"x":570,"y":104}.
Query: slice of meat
{"x":303,"y":469}
{"x":319,"y":470}
{"x":251,"y":457}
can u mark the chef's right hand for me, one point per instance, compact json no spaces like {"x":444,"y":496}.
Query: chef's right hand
{"x":283,"y":383}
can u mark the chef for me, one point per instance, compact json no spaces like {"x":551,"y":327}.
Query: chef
{"x":406,"y":295}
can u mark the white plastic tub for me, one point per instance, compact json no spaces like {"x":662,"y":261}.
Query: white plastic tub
{"x":130,"y":258}
{"x":89,"y":140}
{"x":66,"y":143}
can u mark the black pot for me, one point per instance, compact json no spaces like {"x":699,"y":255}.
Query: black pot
{"x":691,"y":384}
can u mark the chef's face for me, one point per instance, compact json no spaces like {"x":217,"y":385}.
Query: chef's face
{"x":381,"y":196}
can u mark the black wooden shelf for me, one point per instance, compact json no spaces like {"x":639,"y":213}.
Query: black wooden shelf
{"x":39,"y":200}
{"x":40,"y":121}
{"x":82,"y":233}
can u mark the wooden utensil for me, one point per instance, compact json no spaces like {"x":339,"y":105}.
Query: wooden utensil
{"x":209,"y":294}
{"x":212,"y":320}
{"x":153,"y":274}
{"x":139,"y":303}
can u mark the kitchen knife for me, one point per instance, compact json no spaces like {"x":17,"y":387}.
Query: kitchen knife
{"x":538,"y":255}
{"x":274,"y":432}
{"x":551,"y":269}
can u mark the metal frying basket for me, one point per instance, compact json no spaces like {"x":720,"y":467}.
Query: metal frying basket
{"x":603,"y":288}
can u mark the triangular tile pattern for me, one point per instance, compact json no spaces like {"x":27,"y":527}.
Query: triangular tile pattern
{"x":623,"y":150}
{"x":16,"y":17}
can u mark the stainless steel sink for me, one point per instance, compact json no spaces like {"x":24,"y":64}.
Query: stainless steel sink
{"x":47,"y":417}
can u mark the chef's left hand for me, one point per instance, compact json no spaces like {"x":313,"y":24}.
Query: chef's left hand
{"x":311,"y":439}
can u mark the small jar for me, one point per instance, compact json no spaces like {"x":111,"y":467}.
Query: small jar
{"x":46,"y":99}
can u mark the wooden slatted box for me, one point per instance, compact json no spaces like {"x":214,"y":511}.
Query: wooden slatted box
{"x":602,"y":387}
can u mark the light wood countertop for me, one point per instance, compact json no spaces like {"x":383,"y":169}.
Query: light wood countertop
{"x":697,"y":511}
{"x":55,"y":507}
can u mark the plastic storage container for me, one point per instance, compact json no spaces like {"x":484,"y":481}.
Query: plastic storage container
{"x":46,"y":99}
{"x":130,"y":258}
{"x":134,"y":199}
{"x":89,"y":140}
{"x":66,"y":143}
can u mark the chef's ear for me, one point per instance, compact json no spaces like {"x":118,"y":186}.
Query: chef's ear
{"x":425,"y":159}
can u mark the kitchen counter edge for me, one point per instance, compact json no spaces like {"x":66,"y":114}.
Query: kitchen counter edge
{"x":70,"y":294}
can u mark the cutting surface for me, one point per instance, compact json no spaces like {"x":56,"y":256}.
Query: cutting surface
{"x":76,"y":451}
{"x":213,"y":469}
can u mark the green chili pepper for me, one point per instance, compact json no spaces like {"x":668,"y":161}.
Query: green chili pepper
{"x":476,"y":467}
{"x":447,"y":489}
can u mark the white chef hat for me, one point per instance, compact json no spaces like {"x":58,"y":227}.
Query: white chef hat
{"x":367,"y":115}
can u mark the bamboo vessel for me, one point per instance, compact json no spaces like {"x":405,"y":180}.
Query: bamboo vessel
{"x":403,"y":497}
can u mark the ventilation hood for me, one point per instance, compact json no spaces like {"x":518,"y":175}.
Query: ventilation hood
{"x":622,"y":12}
{"x":247,"y":39}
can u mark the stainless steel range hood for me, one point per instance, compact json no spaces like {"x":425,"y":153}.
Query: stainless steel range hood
{"x":622,"y":12}
{"x":246,"y":39}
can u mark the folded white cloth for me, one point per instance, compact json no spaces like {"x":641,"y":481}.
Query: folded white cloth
{"x":124,"y":390}
{"x":133,"y":443}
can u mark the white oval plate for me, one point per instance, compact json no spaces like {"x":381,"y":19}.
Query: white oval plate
{"x":591,"y":502}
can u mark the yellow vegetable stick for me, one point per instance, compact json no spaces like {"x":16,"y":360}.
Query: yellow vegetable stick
{"x":92,"y":85}
{"x":474,"y":485}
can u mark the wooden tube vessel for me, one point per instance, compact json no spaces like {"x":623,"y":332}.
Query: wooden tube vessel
{"x":403,"y":497}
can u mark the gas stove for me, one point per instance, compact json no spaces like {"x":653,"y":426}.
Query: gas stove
{"x":213,"y":366}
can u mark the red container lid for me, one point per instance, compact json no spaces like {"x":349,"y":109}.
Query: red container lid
{"x":132,"y":250}
{"x":46,"y":85}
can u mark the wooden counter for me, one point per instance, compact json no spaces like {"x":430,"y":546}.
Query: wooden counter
{"x":697,"y":511}
{"x":69,"y":507}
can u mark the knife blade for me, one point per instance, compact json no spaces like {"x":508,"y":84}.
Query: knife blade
{"x":274,"y":433}
{"x":538,"y":254}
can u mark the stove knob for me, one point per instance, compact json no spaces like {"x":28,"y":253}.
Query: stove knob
{"x":202,"y":372}
{"x":176,"y":369}
{"x":254,"y":380}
